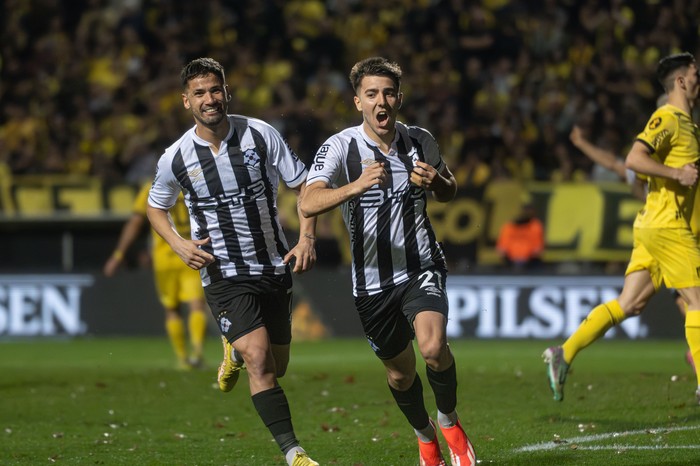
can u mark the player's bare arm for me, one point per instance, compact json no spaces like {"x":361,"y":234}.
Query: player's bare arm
{"x":639,"y":159}
{"x":129,"y":233}
{"x":442,"y":185}
{"x":188,"y":250}
{"x":600,"y":156}
{"x":304,"y":253}
{"x":319,"y":197}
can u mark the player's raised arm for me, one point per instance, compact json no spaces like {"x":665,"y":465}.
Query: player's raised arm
{"x":319,"y":197}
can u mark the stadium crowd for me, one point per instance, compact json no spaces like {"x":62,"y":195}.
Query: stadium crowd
{"x":87,"y":86}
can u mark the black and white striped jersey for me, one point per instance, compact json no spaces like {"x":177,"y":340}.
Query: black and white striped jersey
{"x":390,"y":233}
{"x":232,"y":195}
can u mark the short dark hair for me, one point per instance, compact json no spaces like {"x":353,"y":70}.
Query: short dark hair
{"x":201,"y":67}
{"x":671,"y":63}
{"x":374,"y":66}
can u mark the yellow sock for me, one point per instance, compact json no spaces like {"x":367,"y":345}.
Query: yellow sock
{"x":692,"y":336}
{"x":175,"y":328}
{"x":594,"y":326}
{"x":198,"y":330}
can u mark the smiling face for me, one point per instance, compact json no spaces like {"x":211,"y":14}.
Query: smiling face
{"x":379,"y":100}
{"x":206,"y":97}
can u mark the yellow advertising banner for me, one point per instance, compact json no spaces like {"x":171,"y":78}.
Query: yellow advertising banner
{"x":583,"y":221}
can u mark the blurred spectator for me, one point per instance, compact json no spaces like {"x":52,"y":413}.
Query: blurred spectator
{"x":517,"y":74}
{"x":521,"y":241}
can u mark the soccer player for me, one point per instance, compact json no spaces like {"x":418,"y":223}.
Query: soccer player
{"x":607,"y":159}
{"x":229,"y":167}
{"x":665,"y":248}
{"x":379,"y":173}
{"x":176,"y":283}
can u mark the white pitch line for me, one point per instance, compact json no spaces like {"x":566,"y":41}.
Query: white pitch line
{"x":566,"y":443}
{"x":639,"y":447}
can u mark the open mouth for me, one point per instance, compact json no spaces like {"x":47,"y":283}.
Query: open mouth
{"x":382,"y":117}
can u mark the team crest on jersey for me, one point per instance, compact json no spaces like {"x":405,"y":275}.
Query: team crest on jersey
{"x":225,"y":324}
{"x":251,"y":158}
{"x":414,"y":156}
{"x":655,"y":123}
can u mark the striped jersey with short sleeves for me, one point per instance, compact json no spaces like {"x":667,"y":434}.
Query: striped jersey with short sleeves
{"x":390,"y":233}
{"x":231,"y":195}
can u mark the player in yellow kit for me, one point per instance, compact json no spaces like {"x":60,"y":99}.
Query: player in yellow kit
{"x":176,"y":283}
{"x":665,"y":249}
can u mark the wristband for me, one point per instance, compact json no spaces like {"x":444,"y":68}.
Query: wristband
{"x":118,"y":255}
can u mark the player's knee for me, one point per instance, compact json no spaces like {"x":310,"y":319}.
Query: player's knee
{"x":400,"y":380}
{"x":256,"y":360}
{"x":433,"y":353}
{"x":635,"y":309}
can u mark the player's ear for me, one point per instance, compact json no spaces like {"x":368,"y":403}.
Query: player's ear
{"x":185,"y":101}
{"x":400,"y":100}
{"x":227,"y":92}
{"x":358,"y":105}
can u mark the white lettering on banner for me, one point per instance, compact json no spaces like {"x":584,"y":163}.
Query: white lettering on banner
{"x":32,"y":305}
{"x":530,"y":307}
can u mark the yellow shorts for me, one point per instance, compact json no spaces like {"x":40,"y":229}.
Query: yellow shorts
{"x":671,"y":255}
{"x":176,"y":285}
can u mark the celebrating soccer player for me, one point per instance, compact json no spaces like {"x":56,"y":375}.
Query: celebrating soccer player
{"x":379,"y":173}
{"x":229,"y":168}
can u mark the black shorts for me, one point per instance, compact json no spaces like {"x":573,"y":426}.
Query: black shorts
{"x":387,"y":317}
{"x":241,"y":306}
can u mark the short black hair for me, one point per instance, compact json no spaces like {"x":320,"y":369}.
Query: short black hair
{"x":671,"y":63}
{"x":201,"y":67}
{"x":374,"y":66}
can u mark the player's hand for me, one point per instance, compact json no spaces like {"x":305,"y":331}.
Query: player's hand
{"x":372,"y":175}
{"x":576,"y":136}
{"x":688,"y":175}
{"x":304,"y":254}
{"x":423,"y":175}
{"x":111,"y":265}
{"x":191,"y":253}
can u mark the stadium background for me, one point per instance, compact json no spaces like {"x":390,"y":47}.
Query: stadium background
{"x":90,"y":97}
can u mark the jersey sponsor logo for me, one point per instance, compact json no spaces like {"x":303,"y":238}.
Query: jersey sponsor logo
{"x":655,"y":123}
{"x":368,"y":162}
{"x":252,"y":191}
{"x":659,"y":138}
{"x":320,"y":157}
{"x":376,"y":196}
{"x":195,"y":174}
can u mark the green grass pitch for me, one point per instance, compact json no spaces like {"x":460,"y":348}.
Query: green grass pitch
{"x":121,"y":402}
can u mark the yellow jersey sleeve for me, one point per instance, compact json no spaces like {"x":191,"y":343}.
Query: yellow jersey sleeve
{"x":672,"y":138}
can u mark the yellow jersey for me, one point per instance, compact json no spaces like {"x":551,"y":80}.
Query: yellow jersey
{"x":162,"y":254}
{"x":672,"y":138}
